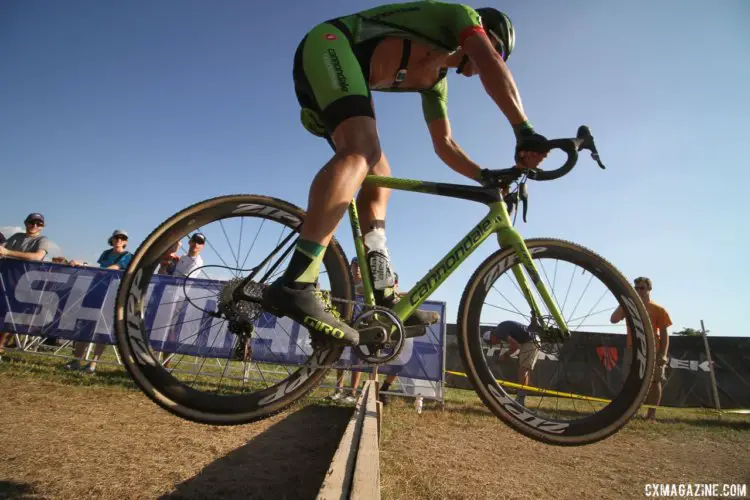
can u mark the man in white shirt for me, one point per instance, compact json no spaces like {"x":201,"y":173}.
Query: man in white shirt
{"x":188,"y":263}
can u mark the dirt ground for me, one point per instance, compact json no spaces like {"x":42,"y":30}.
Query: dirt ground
{"x":62,"y":441}
{"x":467,"y":453}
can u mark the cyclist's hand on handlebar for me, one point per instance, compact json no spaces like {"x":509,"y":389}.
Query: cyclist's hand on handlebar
{"x":531,"y":148}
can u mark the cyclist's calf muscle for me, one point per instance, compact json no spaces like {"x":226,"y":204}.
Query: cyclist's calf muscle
{"x":357,"y":151}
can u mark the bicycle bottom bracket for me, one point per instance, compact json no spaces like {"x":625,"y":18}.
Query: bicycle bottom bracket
{"x":381,"y":336}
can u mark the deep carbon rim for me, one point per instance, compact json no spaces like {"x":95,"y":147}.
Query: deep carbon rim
{"x":164,"y":388}
{"x":555,"y":431}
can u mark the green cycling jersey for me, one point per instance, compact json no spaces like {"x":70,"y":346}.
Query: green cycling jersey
{"x":332,"y":63}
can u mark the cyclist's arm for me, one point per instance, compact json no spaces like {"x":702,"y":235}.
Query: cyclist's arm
{"x":495,"y":76}
{"x":38,"y":255}
{"x":449,"y":151}
{"x":661,"y":356}
{"x":618,"y":315}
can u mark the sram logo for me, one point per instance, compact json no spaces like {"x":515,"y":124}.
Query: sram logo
{"x":270,"y":212}
{"x":293,"y":383}
{"x":524,"y":416}
{"x":505,"y":264}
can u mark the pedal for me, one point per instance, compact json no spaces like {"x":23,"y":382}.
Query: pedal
{"x":413,"y":331}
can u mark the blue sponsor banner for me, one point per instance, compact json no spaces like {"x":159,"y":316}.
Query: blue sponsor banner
{"x":77,"y":303}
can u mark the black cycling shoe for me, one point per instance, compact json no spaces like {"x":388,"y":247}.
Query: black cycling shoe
{"x":420,"y":317}
{"x":311,"y":308}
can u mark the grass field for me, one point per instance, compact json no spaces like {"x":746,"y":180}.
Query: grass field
{"x":71,"y":435}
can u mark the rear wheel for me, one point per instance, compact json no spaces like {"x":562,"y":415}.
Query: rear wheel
{"x":190,"y":346}
{"x":564,"y":403}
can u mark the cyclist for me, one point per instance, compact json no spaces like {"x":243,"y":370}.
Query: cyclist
{"x":405,"y":47}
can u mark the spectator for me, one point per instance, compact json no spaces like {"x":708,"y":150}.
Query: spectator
{"x":191,"y":261}
{"x":338,"y":392}
{"x":520,"y":339}
{"x":60,"y":260}
{"x":169,"y":259}
{"x":113,"y":258}
{"x":30,"y":245}
{"x":660,"y":321}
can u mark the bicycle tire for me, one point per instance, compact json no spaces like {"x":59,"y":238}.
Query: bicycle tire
{"x":170,"y":393}
{"x":593,"y":428}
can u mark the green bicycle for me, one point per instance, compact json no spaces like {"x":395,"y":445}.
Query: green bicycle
{"x":199,"y":384}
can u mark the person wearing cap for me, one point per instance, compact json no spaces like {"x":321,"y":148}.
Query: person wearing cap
{"x":118,"y":258}
{"x":520,"y":339}
{"x":30,"y":245}
{"x":192,"y":260}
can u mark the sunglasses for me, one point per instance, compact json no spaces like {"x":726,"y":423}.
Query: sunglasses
{"x":120,"y":237}
{"x":641,"y":287}
{"x":35,"y":223}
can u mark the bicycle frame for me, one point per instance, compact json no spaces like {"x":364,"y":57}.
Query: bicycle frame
{"x":496,"y":221}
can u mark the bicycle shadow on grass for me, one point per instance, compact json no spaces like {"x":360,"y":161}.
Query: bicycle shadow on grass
{"x":288,"y":460}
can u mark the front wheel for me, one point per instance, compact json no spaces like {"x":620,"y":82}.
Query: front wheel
{"x":552,"y":393}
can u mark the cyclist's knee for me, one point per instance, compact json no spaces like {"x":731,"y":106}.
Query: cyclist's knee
{"x":357,"y":136}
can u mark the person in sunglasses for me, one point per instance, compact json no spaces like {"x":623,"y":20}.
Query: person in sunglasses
{"x":660,"y":321}
{"x":30,"y":245}
{"x":400,"y":47}
{"x":117,"y":258}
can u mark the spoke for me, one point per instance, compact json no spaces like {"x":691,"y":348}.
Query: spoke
{"x":509,"y":310}
{"x":562,"y":311}
{"x":508,"y":301}
{"x":239,"y":242}
{"x":229,"y":244}
{"x":592,"y":308}
{"x":600,"y":311}
{"x":552,"y":285}
{"x":252,"y":245}
{"x":583,"y":292}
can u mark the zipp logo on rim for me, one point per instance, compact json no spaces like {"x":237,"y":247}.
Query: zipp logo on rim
{"x":524,"y":416}
{"x":505,"y":264}
{"x":270,"y":212}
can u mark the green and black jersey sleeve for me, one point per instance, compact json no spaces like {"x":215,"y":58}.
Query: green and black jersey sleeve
{"x":435,"y":101}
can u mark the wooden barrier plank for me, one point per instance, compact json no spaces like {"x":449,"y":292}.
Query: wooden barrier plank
{"x":338,"y":479}
{"x":366,"y":483}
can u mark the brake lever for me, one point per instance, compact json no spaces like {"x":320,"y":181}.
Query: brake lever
{"x":587,"y":142}
{"x":524,"y":197}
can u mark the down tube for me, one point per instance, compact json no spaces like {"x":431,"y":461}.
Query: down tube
{"x":439,"y":273}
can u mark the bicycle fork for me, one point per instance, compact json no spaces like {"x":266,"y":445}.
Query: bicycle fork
{"x":508,"y":237}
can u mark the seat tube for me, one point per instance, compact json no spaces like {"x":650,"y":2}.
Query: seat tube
{"x":359,"y":247}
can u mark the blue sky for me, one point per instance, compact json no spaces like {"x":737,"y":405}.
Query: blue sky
{"x":118,"y":114}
